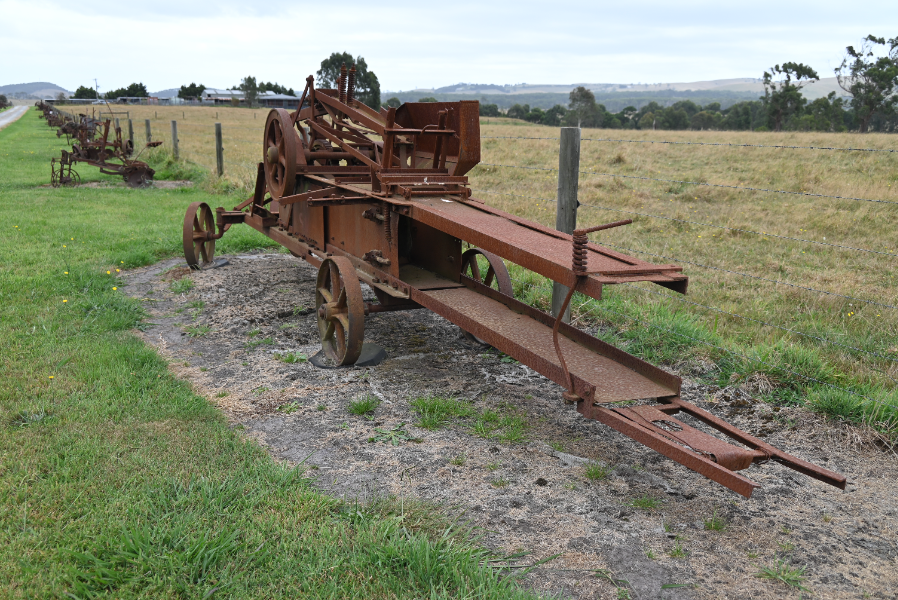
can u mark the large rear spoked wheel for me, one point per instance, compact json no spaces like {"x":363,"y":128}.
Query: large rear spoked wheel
{"x":473,"y":262}
{"x":199,"y":225}
{"x":279,"y":153}
{"x":341,"y":310}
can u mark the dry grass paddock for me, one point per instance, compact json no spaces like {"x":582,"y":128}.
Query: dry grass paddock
{"x":749,"y":246}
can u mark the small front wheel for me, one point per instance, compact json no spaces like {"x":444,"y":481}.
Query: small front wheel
{"x":199,"y":225}
{"x":341,"y":310}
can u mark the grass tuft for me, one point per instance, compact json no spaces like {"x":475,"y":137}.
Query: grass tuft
{"x":181,"y":286}
{"x":596,"y":471}
{"x":645,"y":503}
{"x":715,"y":523}
{"x":365,"y":405}
{"x":787,"y":574}
{"x":434,"y":412}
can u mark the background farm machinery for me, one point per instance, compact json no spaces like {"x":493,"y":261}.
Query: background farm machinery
{"x":381,"y":197}
{"x":52,"y":115}
{"x":101,"y":145}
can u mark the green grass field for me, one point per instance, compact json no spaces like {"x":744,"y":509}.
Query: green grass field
{"x":116,"y":480}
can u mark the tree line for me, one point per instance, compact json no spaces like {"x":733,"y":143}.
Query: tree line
{"x":868,"y":75}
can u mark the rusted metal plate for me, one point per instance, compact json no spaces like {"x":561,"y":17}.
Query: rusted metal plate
{"x":549,"y":256}
{"x":598,"y":377}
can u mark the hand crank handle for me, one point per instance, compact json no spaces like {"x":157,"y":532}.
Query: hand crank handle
{"x":581,"y":232}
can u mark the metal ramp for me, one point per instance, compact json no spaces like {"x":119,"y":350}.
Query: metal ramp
{"x":603,"y":375}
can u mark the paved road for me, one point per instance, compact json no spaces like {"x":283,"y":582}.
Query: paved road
{"x":8,"y":116}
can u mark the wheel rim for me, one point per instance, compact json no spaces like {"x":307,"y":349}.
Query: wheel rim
{"x":496,"y":277}
{"x":198,"y":222}
{"x":279,"y":153}
{"x":340,"y":310}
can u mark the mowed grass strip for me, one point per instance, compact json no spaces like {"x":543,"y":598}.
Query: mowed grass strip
{"x":116,"y":480}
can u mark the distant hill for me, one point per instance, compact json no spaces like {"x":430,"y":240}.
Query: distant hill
{"x":169,"y":93}
{"x":37,"y":89}
{"x":743,"y":84}
{"x":615,"y":96}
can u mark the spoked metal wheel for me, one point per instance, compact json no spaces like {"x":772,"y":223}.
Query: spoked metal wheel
{"x":473,"y":262}
{"x":341,"y":310}
{"x":199,"y":224}
{"x":279,"y":153}
{"x":62,"y":173}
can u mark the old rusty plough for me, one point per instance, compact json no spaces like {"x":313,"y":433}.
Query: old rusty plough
{"x":381,"y":197}
{"x":99,"y":144}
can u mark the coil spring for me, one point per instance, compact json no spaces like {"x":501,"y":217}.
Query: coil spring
{"x":342,"y":84}
{"x":578,"y":255}
{"x":350,"y":90}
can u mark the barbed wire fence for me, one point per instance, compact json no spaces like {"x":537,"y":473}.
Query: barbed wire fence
{"x":879,"y":360}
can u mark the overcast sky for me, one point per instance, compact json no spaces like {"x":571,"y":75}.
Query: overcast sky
{"x":167,"y":43}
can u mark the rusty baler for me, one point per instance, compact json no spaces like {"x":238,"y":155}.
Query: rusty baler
{"x":381,"y":197}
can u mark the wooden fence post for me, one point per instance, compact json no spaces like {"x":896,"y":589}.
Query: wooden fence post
{"x":131,"y":131}
{"x":149,"y":132}
{"x":174,"y":139}
{"x":219,"y":150}
{"x":566,"y":211}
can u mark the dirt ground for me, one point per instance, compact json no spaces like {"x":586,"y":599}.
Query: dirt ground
{"x":640,"y":532}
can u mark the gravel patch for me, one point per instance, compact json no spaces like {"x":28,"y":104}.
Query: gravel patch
{"x":225,"y":335}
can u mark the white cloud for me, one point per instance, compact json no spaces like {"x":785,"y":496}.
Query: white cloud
{"x":166,"y":43}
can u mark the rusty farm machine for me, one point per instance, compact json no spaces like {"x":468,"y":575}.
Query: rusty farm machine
{"x":381,"y":197}
{"x":98,"y":143}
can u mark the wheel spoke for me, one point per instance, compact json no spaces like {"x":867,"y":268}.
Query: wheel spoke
{"x":329,"y":332}
{"x":341,"y":299}
{"x":336,"y":285}
{"x":490,"y":274}
{"x":341,"y":334}
{"x":475,"y":270}
{"x":326,"y":294}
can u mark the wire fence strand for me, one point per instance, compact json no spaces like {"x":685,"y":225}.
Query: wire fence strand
{"x":783,"y":147}
{"x":631,"y":212}
{"x":740,"y":316}
{"x":706,"y":343}
{"x":748,"y":358}
{"x":778,"y":146}
{"x":700,"y":183}
{"x":680,"y":260}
